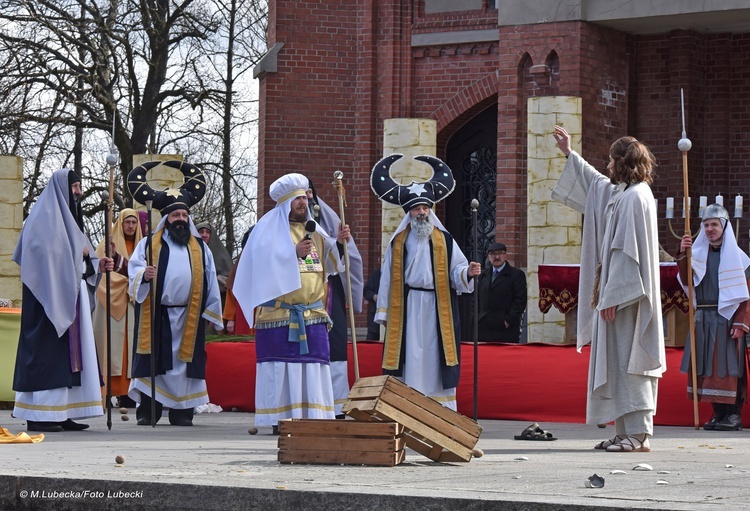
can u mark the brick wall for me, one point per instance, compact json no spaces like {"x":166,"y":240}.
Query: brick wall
{"x":346,"y":67}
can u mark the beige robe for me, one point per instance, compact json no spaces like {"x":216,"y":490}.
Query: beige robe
{"x":620,"y":233}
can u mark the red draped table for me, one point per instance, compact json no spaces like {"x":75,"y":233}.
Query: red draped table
{"x":558,"y":287}
{"x":527,"y":382}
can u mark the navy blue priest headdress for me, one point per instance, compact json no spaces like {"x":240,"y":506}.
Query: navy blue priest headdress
{"x":189,"y":193}
{"x":428,"y":192}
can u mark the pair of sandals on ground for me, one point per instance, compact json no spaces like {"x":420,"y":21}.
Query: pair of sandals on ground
{"x":620,"y":443}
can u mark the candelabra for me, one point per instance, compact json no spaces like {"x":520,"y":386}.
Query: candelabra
{"x":702,"y":204}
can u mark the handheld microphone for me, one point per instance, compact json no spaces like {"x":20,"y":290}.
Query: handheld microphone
{"x":309,"y":229}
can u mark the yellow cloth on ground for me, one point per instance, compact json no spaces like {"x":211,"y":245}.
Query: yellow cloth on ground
{"x":6,"y":437}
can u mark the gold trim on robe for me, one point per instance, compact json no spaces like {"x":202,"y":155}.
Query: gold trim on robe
{"x":189,"y":333}
{"x":397,"y":304}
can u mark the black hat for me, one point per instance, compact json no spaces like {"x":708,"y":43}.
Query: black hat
{"x":171,"y":199}
{"x":496,"y":246}
{"x":426,"y":193}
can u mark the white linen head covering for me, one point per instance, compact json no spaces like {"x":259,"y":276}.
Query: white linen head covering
{"x":732,"y":281}
{"x":268,"y":266}
{"x":50,"y":253}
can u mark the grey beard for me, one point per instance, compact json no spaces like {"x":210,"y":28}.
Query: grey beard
{"x":422,"y":229}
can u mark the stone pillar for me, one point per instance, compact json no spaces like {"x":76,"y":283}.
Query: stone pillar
{"x":159,"y":178}
{"x":11,"y":221}
{"x":554,"y":231}
{"x":410,"y":137}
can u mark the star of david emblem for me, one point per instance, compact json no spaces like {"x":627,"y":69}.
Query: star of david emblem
{"x":174,"y":192}
{"x":416,"y":189}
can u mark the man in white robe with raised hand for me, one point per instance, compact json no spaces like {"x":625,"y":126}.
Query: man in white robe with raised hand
{"x":620,"y":276}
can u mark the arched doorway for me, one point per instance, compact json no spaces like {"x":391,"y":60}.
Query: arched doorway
{"x":472,"y":155}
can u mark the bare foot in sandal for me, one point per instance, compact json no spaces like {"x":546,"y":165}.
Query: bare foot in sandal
{"x":606,"y":443}
{"x":631,"y":443}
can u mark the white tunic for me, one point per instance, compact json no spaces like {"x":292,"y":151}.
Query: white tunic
{"x":175,"y":389}
{"x":620,"y":233}
{"x":422,"y":362}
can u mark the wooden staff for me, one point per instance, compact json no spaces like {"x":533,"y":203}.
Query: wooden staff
{"x":684,"y":145}
{"x":152,"y":285}
{"x":338,"y":176}
{"x":475,"y":333}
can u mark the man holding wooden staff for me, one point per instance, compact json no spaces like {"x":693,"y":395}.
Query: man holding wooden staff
{"x":722,"y":316}
{"x":283,"y":272}
{"x":324,"y":215}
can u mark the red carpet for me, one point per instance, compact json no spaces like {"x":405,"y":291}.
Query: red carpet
{"x":529,"y":382}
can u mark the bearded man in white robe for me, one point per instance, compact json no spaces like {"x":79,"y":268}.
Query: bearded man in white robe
{"x":186,"y":293}
{"x":620,"y":274}
{"x":423,"y":269}
{"x":336,"y":299}
{"x":282,"y":275}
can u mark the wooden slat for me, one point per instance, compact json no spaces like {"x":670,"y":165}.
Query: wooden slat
{"x":338,"y":428}
{"x":360,"y":404}
{"x":342,"y":444}
{"x":435,"y":436}
{"x":387,"y":459}
{"x":430,"y":420}
{"x":430,"y":451}
{"x":465,"y":423}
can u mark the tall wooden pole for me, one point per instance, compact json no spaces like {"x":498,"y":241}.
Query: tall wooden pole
{"x":684,"y":145}
{"x":152,"y":287}
{"x":338,"y":176}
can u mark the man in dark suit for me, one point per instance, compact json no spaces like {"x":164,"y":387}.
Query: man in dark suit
{"x":502,"y":298}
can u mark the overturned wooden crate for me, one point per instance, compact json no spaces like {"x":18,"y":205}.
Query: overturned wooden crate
{"x":430,"y":428}
{"x":336,"y":442}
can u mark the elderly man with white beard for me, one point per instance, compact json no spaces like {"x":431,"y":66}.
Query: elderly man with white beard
{"x":423,"y":269}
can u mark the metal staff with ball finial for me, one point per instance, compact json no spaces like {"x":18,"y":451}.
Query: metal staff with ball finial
{"x":475,"y":333}
{"x":111,"y":163}
{"x":684,"y":145}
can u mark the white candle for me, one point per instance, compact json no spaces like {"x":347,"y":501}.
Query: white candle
{"x":719,"y":200}
{"x":670,"y":207}
{"x":686,"y":203}
{"x":702,"y":203}
{"x":738,"y":206}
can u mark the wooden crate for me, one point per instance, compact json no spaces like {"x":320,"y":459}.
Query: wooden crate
{"x":341,"y":441}
{"x":430,"y":428}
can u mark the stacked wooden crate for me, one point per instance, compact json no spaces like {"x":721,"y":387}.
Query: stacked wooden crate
{"x":340,"y":441}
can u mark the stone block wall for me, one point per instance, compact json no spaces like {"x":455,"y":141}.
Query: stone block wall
{"x":11,"y":221}
{"x":554,"y":231}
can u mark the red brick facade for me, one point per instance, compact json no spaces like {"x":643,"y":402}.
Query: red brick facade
{"x":346,"y":66}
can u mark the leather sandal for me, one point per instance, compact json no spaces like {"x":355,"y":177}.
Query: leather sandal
{"x":606,"y":443}
{"x":630,"y":444}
